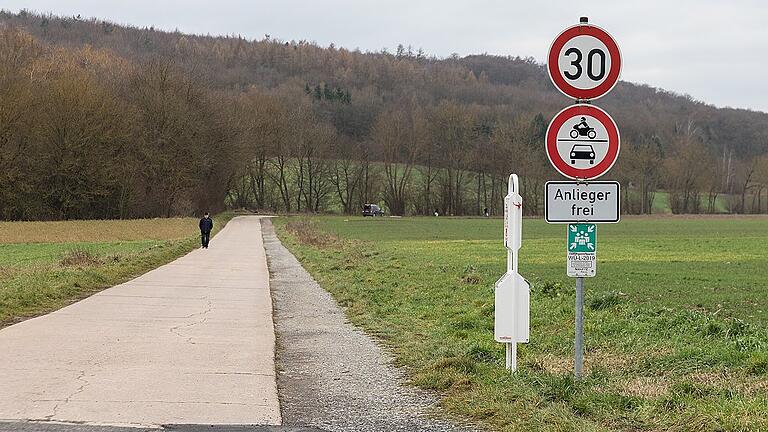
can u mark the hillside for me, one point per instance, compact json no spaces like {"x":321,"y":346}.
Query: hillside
{"x":407,"y":109}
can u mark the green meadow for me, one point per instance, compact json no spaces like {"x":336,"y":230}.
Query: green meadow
{"x":676,"y":325}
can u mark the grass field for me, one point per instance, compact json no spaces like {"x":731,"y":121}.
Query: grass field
{"x":661,"y":203}
{"x":46,"y":265}
{"x":676,"y":320}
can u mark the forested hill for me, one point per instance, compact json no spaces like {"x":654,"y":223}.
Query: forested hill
{"x":377,"y":79}
{"x":490,"y":103}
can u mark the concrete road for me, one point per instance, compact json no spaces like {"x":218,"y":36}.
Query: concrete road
{"x":190,"y":342}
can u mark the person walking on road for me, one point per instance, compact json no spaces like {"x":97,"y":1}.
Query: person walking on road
{"x":206,"y":226}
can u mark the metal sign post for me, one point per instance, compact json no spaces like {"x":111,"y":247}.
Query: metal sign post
{"x":582,"y":143}
{"x":582,"y":262}
{"x":578,"y":360}
{"x":512,"y":293}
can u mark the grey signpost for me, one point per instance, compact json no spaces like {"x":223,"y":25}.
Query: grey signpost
{"x":578,"y":358}
{"x":582,"y":143}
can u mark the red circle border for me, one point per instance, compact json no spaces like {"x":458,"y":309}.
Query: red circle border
{"x":557,"y":78}
{"x":614,"y":142}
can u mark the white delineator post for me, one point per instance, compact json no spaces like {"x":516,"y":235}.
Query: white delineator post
{"x":512,"y":293}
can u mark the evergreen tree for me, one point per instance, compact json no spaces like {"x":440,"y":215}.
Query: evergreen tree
{"x":400,"y":53}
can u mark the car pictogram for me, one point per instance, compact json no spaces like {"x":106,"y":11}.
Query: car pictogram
{"x":582,"y":152}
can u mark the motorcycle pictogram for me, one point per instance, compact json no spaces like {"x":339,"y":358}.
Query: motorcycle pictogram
{"x":583,"y":129}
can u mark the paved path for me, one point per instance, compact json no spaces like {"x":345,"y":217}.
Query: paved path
{"x":189,"y":342}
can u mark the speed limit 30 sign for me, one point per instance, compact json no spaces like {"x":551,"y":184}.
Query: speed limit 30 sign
{"x":584,"y":62}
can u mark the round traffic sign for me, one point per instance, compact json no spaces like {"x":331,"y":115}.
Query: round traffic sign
{"x":582,"y":142}
{"x":584,"y":62}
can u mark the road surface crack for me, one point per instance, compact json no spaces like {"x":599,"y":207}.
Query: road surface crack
{"x":177,"y":330}
{"x":80,"y":377}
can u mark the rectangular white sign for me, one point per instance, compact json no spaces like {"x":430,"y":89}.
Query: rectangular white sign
{"x":582,"y":250}
{"x":582,"y":264}
{"x":571,"y":202}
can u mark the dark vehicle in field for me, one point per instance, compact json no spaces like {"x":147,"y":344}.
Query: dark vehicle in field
{"x":372,"y":210}
{"x":583,"y":152}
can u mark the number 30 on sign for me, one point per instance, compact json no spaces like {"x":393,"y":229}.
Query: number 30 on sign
{"x":584,"y":62}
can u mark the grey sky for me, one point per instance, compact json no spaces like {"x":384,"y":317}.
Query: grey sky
{"x":716,"y":51}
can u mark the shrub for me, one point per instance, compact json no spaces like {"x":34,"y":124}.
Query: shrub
{"x":549,"y":289}
{"x":606,"y":300}
{"x":79,"y":258}
{"x":758,"y":364}
{"x":470,"y":276}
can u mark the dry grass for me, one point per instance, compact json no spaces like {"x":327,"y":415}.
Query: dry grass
{"x":553,"y":364}
{"x":97,"y":230}
{"x":646,"y":387}
{"x":747,"y":385}
{"x":560,"y":365}
{"x":79,"y":258}
{"x":308,"y":233}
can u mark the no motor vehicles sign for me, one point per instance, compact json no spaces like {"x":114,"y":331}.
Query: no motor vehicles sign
{"x":582,"y":142}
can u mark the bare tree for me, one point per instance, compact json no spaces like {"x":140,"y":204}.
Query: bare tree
{"x":400,"y":135}
{"x":346,"y":173}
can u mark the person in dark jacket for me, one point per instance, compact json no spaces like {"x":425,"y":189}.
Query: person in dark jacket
{"x":206,"y":225}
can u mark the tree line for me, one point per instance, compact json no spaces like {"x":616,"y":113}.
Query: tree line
{"x":99,"y":120}
{"x":86,"y":134}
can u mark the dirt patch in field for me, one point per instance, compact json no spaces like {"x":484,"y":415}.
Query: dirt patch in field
{"x":646,"y":387}
{"x":749,"y":386}
{"x":597,"y":359}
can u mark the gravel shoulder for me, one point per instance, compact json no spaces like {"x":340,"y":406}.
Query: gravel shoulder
{"x":330,"y":374}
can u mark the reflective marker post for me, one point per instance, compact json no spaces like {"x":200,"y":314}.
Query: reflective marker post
{"x":512,"y":292}
{"x":512,"y":252}
{"x":511,"y":362}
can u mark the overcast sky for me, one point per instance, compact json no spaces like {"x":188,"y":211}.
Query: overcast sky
{"x":716,"y":51}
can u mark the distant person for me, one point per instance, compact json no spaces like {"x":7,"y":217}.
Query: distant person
{"x":206,"y":226}
{"x":486,"y":213}
{"x":437,"y":213}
